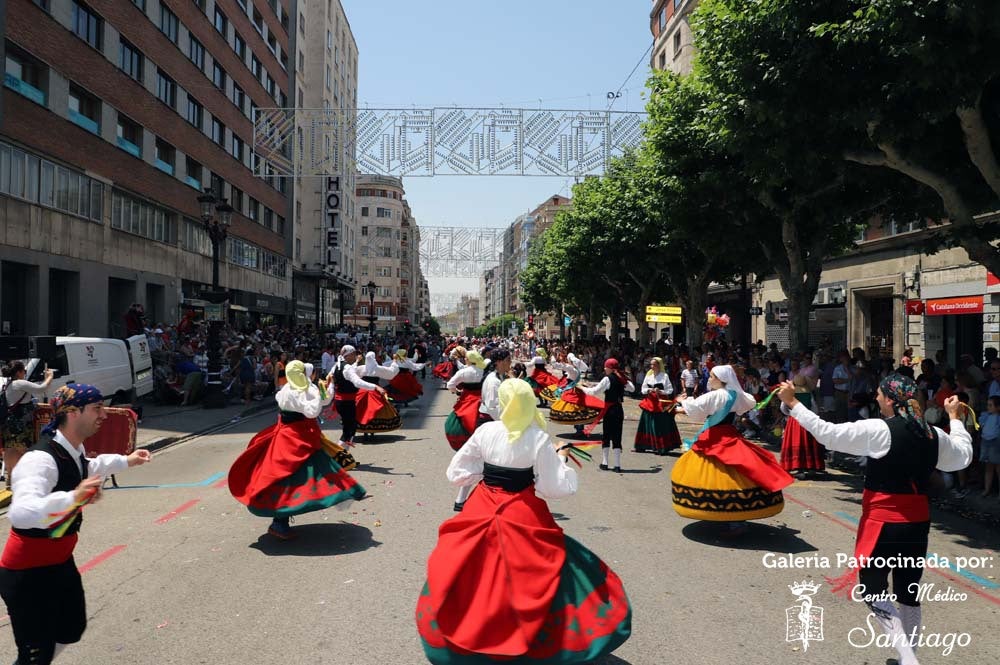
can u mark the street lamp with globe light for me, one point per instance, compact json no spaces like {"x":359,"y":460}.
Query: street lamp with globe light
{"x":216,"y":215}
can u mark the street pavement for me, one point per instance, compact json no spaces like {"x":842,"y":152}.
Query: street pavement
{"x":176,"y":571}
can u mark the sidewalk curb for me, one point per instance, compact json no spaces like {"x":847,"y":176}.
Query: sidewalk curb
{"x":156,"y":445}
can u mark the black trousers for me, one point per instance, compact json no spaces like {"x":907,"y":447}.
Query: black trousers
{"x":613,"y":421}
{"x":46,"y":607}
{"x":897,"y":540}
{"x":347,"y":408}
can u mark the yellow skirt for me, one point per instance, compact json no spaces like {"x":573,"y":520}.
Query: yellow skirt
{"x":565,"y":413}
{"x":705,"y":489}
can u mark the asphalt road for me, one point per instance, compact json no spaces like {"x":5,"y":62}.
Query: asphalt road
{"x":177,"y":572}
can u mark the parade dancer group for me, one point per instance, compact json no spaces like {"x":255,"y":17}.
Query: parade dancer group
{"x":504,"y":583}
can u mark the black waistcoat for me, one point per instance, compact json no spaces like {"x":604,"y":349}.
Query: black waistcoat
{"x":341,"y":384}
{"x":907,"y":467}
{"x":615,"y":392}
{"x":69,"y":478}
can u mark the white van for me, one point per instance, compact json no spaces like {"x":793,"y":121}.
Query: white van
{"x":121,"y":370}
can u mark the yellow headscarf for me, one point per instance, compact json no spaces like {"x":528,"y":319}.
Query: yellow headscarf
{"x":659,"y":360}
{"x":542,"y":352}
{"x":517,"y":408}
{"x":400,"y":354}
{"x":475,"y":359}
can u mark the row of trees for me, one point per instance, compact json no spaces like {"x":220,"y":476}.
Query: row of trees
{"x":499,"y":326}
{"x":800,"y":123}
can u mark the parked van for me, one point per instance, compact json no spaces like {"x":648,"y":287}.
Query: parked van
{"x":121,"y":370}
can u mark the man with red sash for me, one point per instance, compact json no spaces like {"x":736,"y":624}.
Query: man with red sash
{"x":902,"y":452}
{"x":39,"y":580}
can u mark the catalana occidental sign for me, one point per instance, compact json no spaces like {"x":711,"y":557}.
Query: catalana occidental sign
{"x":332,"y":221}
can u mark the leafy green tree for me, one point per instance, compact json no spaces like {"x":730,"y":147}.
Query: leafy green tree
{"x":432,"y":327}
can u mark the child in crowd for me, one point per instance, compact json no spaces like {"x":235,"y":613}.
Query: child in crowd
{"x":989,"y":453}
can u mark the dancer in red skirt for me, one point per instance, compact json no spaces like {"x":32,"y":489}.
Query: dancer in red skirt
{"x":504,"y":583}
{"x":456,"y":361}
{"x":404,"y":387}
{"x":540,"y":378}
{"x":289,"y":468}
{"x":800,"y":452}
{"x":657,"y":432}
{"x":465,"y":416}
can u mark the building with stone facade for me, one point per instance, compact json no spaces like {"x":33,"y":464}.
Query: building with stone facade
{"x":673,"y":40}
{"x":116,"y":116}
{"x":325,"y":233}
{"x":387,"y":258}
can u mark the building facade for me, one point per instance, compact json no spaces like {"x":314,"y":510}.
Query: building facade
{"x":324,"y":275}
{"x":116,"y":116}
{"x":391,"y":285}
{"x":673,"y":40}
{"x":889,"y":295}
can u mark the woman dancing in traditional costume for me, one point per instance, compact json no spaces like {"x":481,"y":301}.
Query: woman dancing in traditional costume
{"x":902,"y":451}
{"x":723,"y":477}
{"x":572,"y":406}
{"x":799,"y":449}
{"x":447,"y":369}
{"x":404,"y":387}
{"x":540,"y":378}
{"x":504,"y":583}
{"x":465,"y":417}
{"x":375,"y":413}
{"x":657,"y":432}
{"x":290,"y":468}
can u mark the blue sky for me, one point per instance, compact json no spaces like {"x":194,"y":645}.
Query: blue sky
{"x":513,"y":52}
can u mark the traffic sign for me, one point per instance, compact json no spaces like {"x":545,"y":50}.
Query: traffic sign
{"x":664,"y":318}
{"x":674,"y":310}
{"x":566,"y":320}
{"x":756,"y":311}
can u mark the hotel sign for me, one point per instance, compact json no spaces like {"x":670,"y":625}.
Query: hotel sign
{"x":332,"y":225}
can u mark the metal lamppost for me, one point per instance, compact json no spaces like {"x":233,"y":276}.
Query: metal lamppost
{"x":216,"y":214}
{"x":371,"y":309}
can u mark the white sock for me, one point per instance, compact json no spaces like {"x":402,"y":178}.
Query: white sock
{"x":463,"y":493}
{"x":618,"y":458}
{"x":604,"y":456}
{"x":910,"y":616}
{"x":58,"y":649}
{"x":892,"y":625}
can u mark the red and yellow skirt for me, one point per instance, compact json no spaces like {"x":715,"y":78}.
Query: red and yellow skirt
{"x":575,"y":407}
{"x":541,"y":598}
{"x":724,"y":478}
{"x":375,"y":413}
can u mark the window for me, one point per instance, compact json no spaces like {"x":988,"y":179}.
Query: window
{"x":166,"y":89}
{"x":134,"y":215}
{"x":383,"y":212}
{"x":218,"y":132}
{"x":196,"y":53}
{"x":219,"y":76}
{"x":258,"y":21}
{"x":239,"y":46}
{"x":237,"y":150}
{"x":387,"y":252}
{"x":27,"y":176}
{"x":329,"y":77}
{"x":44,"y":4}
{"x":84,"y":109}
{"x":195,"y":238}
{"x":24,"y":74}
{"x":165,"y":156}
{"x":269,"y":85}
{"x":195,"y":112}
{"x":663,"y":19}
{"x":87,"y":25}
{"x":221,"y":22}
{"x":168,"y":23}
{"x":236,"y":195}
{"x":216,"y":184}
{"x":272,"y":43}
{"x":364,"y":213}
{"x":268,"y":219}
{"x":253,"y":209}
{"x":239,"y":97}
{"x":193,"y":172}
{"x":255,"y":67}
{"x":677,"y":41}
{"x":329,"y":40}
{"x":663,"y":59}
{"x":279,"y":225}
{"x":129,"y":136}
{"x":130,"y":59}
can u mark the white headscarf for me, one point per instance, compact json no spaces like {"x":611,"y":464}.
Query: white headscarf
{"x":727,"y":375}
{"x":371,"y":365}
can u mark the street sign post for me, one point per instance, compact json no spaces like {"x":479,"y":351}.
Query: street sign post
{"x":756,"y":311}
{"x":673,"y":310}
{"x":664,"y":318}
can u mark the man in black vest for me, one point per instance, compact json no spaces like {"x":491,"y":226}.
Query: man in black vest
{"x":39,"y":581}
{"x":347,"y":382}
{"x":902,"y":452}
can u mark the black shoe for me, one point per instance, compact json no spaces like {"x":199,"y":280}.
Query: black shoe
{"x":604,"y":467}
{"x":458,"y":506}
{"x":617,"y":469}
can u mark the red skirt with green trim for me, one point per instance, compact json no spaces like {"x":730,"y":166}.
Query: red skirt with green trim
{"x":800,"y":451}
{"x":463,"y":419}
{"x":541,"y":598}
{"x":657,"y":432}
{"x":285,"y":472}
{"x":404,"y":387}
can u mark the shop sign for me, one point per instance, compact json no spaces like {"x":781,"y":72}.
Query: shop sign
{"x":949,"y":306}
{"x":914,"y":307}
{"x":992,"y":283}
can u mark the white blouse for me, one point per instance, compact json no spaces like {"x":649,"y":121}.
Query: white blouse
{"x":603,"y":386}
{"x":408,"y":364}
{"x":469,"y":374}
{"x":700,"y":409}
{"x":653,"y":379}
{"x":554,"y":478}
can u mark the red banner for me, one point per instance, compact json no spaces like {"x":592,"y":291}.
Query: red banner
{"x":992,"y":283}
{"x":948,"y":306}
{"x":915,"y":307}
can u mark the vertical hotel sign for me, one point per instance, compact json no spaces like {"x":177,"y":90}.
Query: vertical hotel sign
{"x":332,"y":222}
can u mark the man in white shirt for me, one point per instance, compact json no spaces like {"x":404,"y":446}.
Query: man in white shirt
{"x":327,"y":359}
{"x":39,"y":581}
{"x":689,"y":379}
{"x":347,"y":382}
{"x":902,"y":451}
{"x":499,"y":366}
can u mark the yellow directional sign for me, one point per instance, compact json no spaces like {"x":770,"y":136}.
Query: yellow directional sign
{"x":664,"y":318}
{"x":674,"y":310}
